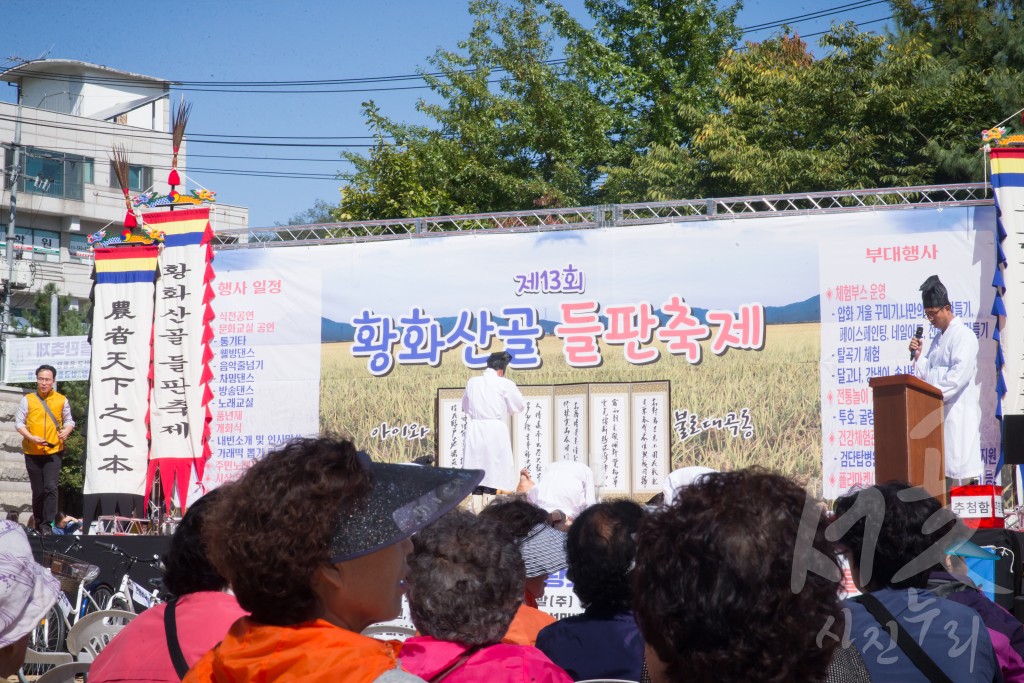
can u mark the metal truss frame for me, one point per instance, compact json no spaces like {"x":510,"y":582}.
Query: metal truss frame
{"x":609,"y":215}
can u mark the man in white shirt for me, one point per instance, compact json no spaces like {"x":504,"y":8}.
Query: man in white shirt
{"x":951,"y":365}
{"x":489,"y":399}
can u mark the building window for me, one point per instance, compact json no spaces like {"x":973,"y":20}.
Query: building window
{"x":29,"y":243}
{"x":79,"y":247}
{"x":140,"y":178}
{"x":53,"y":173}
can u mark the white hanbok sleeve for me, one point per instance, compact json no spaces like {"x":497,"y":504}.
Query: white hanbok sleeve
{"x":514,"y":398}
{"x":921,"y":366}
{"x":964,"y":351}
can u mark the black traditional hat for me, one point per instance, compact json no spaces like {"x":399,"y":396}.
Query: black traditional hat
{"x":403,"y":501}
{"x":499,"y":360}
{"x":933,"y":293}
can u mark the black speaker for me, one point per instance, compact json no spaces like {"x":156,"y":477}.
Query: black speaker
{"x":1013,"y":439}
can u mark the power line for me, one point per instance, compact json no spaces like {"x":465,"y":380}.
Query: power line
{"x":860,"y":23}
{"x":291,"y":86}
{"x":157,"y":136}
{"x":217,"y":170}
{"x":813,"y":15}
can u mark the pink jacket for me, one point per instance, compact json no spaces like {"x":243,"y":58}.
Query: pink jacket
{"x":426,"y":657}
{"x":139,"y":651}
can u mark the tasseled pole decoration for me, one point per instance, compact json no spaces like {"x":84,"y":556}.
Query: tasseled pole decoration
{"x":119,"y":162}
{"x":178,"y":123}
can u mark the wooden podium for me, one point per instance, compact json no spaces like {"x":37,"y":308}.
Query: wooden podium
{"x":908,"y":433}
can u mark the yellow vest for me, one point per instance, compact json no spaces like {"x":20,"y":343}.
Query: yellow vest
{"x":39,"y":423}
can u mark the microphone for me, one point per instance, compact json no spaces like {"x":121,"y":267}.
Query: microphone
{"x":918,"y":334}
{"x":108,"y":546}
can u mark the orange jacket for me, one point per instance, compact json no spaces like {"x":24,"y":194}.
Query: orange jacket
{"x":308,"y":653}
{"x":526,"y":625}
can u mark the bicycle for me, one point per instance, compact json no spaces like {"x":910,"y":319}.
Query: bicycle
{"x":129,"y":592}
{"x":74,"y":575}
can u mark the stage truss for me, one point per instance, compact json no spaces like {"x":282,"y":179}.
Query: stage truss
{"x":610,"y":215}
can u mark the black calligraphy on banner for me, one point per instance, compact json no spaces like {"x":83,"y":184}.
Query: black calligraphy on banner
{"x":117,"y":431}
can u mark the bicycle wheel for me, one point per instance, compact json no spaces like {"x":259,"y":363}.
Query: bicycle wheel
{"x":120,"y":602}
{"x":48,"y":636}
{"x":99,"y":598}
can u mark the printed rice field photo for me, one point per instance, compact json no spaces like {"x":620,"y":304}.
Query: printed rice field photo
{"x":779,"y":385}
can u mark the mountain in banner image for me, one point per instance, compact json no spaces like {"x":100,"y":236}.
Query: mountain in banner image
{"x":806,"y":311}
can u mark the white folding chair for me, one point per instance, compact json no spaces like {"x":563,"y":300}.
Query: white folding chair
{"x":52,"y":658}
{"x":389,"y":631}
{"x":65,"y":673}
{"x":91,"y":633}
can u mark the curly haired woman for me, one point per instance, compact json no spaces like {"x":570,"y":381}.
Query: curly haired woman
{"x":466,"y":580}
{"x":713,"y":585}
{"x":313,"y":541}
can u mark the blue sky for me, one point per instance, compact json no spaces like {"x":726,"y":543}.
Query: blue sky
{"x":260,"y":40}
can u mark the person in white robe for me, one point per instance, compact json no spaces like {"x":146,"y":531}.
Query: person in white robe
{"x":489,"y":399}
{"x":951,"y":365}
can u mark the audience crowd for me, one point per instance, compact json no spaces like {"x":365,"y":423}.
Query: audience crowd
{"x":729,"y":576}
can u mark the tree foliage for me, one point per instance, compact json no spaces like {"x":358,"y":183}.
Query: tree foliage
{"x":320,"y":212}
{"x":651,"y":61}
{"x":655,"y":100}
{"x":795,"y":123}
{"x":511,"y":130}
{"x":978,"y":48}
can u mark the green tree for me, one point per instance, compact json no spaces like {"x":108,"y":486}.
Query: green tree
{"x":655,"y":63}
{"x":511,"y":130}
{"x":792,"y":123}
{"x":69,"y":323}
{"x":652,"y":61}
{"x":406,"y":173}
{"x":979,"y":50}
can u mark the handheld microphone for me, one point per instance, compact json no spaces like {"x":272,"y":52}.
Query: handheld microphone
{"x":108,"y":546}
{"x":918,"y":334}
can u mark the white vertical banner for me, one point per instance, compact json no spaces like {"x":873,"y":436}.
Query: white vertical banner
{"x":451,"y":428}
{"x":609,"y":437}
{"x":571,"y":423}
{"x":179,"y":413}
{"x":266,"y":366}
{"x":1008,"y":282}
{"x":122,"y":329}
{"x":532,"y":431}
{"x":870,"y":309}
{"x":651,"y":455}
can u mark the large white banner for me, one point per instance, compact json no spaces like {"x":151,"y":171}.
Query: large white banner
{"x":267,"y":366}
{"x":730,"y":313}
{"x":870,"y":310}
{"x":70,"y":355}
{"x":117,"y":443}
{"x":179,"y":414}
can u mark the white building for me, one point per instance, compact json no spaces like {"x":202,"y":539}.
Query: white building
{"x":68,"y":118}
{"x":72,"y":114}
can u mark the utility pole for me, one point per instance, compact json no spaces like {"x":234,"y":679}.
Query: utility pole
{"x":15,"y":179}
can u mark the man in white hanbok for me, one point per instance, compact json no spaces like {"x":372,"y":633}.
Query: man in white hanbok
{"x":951,"y":365}
{"x":489,"y":399}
